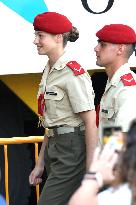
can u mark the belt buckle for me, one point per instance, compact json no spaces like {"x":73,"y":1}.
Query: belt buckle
{"x":64,"y":130}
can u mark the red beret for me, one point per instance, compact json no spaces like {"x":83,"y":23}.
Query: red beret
{"x":52,"y":22}
{"x":117,"y":33}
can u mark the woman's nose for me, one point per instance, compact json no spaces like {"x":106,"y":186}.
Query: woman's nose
{"x":35,"y":40}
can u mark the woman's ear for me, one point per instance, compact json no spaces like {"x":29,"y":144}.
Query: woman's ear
{"x":59,"y":38}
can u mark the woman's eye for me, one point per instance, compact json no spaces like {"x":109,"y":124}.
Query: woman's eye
{"x":103,"y":44}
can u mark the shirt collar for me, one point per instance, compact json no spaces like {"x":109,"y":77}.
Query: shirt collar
{"x":121,"y":71}
{"x":61,"y":62}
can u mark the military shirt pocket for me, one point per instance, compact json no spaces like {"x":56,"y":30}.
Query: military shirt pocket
{"x":108,"y":112}
{"x":53,"y":100}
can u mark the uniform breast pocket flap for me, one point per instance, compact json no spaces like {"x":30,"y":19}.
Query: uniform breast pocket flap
{"x":107,"y":113}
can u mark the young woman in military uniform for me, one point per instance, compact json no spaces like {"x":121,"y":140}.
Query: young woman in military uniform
{"x":66,"y":107}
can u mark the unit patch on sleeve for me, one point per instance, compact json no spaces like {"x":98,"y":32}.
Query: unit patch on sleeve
{"x":76,"y":68}
{"x":128,"y":79}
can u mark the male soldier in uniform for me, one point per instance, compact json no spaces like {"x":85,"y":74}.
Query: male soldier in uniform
{"x":116,"y":43}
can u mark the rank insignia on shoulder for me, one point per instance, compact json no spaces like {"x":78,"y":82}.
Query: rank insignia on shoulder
{"x":128,"y":79}
{"x":76,"y":67}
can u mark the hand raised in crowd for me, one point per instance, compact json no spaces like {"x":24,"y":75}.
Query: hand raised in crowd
{"x":103,"y":163}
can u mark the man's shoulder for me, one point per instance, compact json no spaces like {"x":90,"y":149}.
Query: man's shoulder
{"x":129,"y":79}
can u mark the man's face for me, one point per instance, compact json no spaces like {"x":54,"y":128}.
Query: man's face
{"x":106,"y":53}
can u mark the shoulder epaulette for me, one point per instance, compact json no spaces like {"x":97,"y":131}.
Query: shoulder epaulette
{"x":76,"y":67}
{"x":128,"y":79}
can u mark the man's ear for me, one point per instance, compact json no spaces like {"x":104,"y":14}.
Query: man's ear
{"x":121,"y":48}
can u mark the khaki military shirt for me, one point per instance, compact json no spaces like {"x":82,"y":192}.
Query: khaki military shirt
{"x":118,"y":103}
{"x":65,"y":94}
